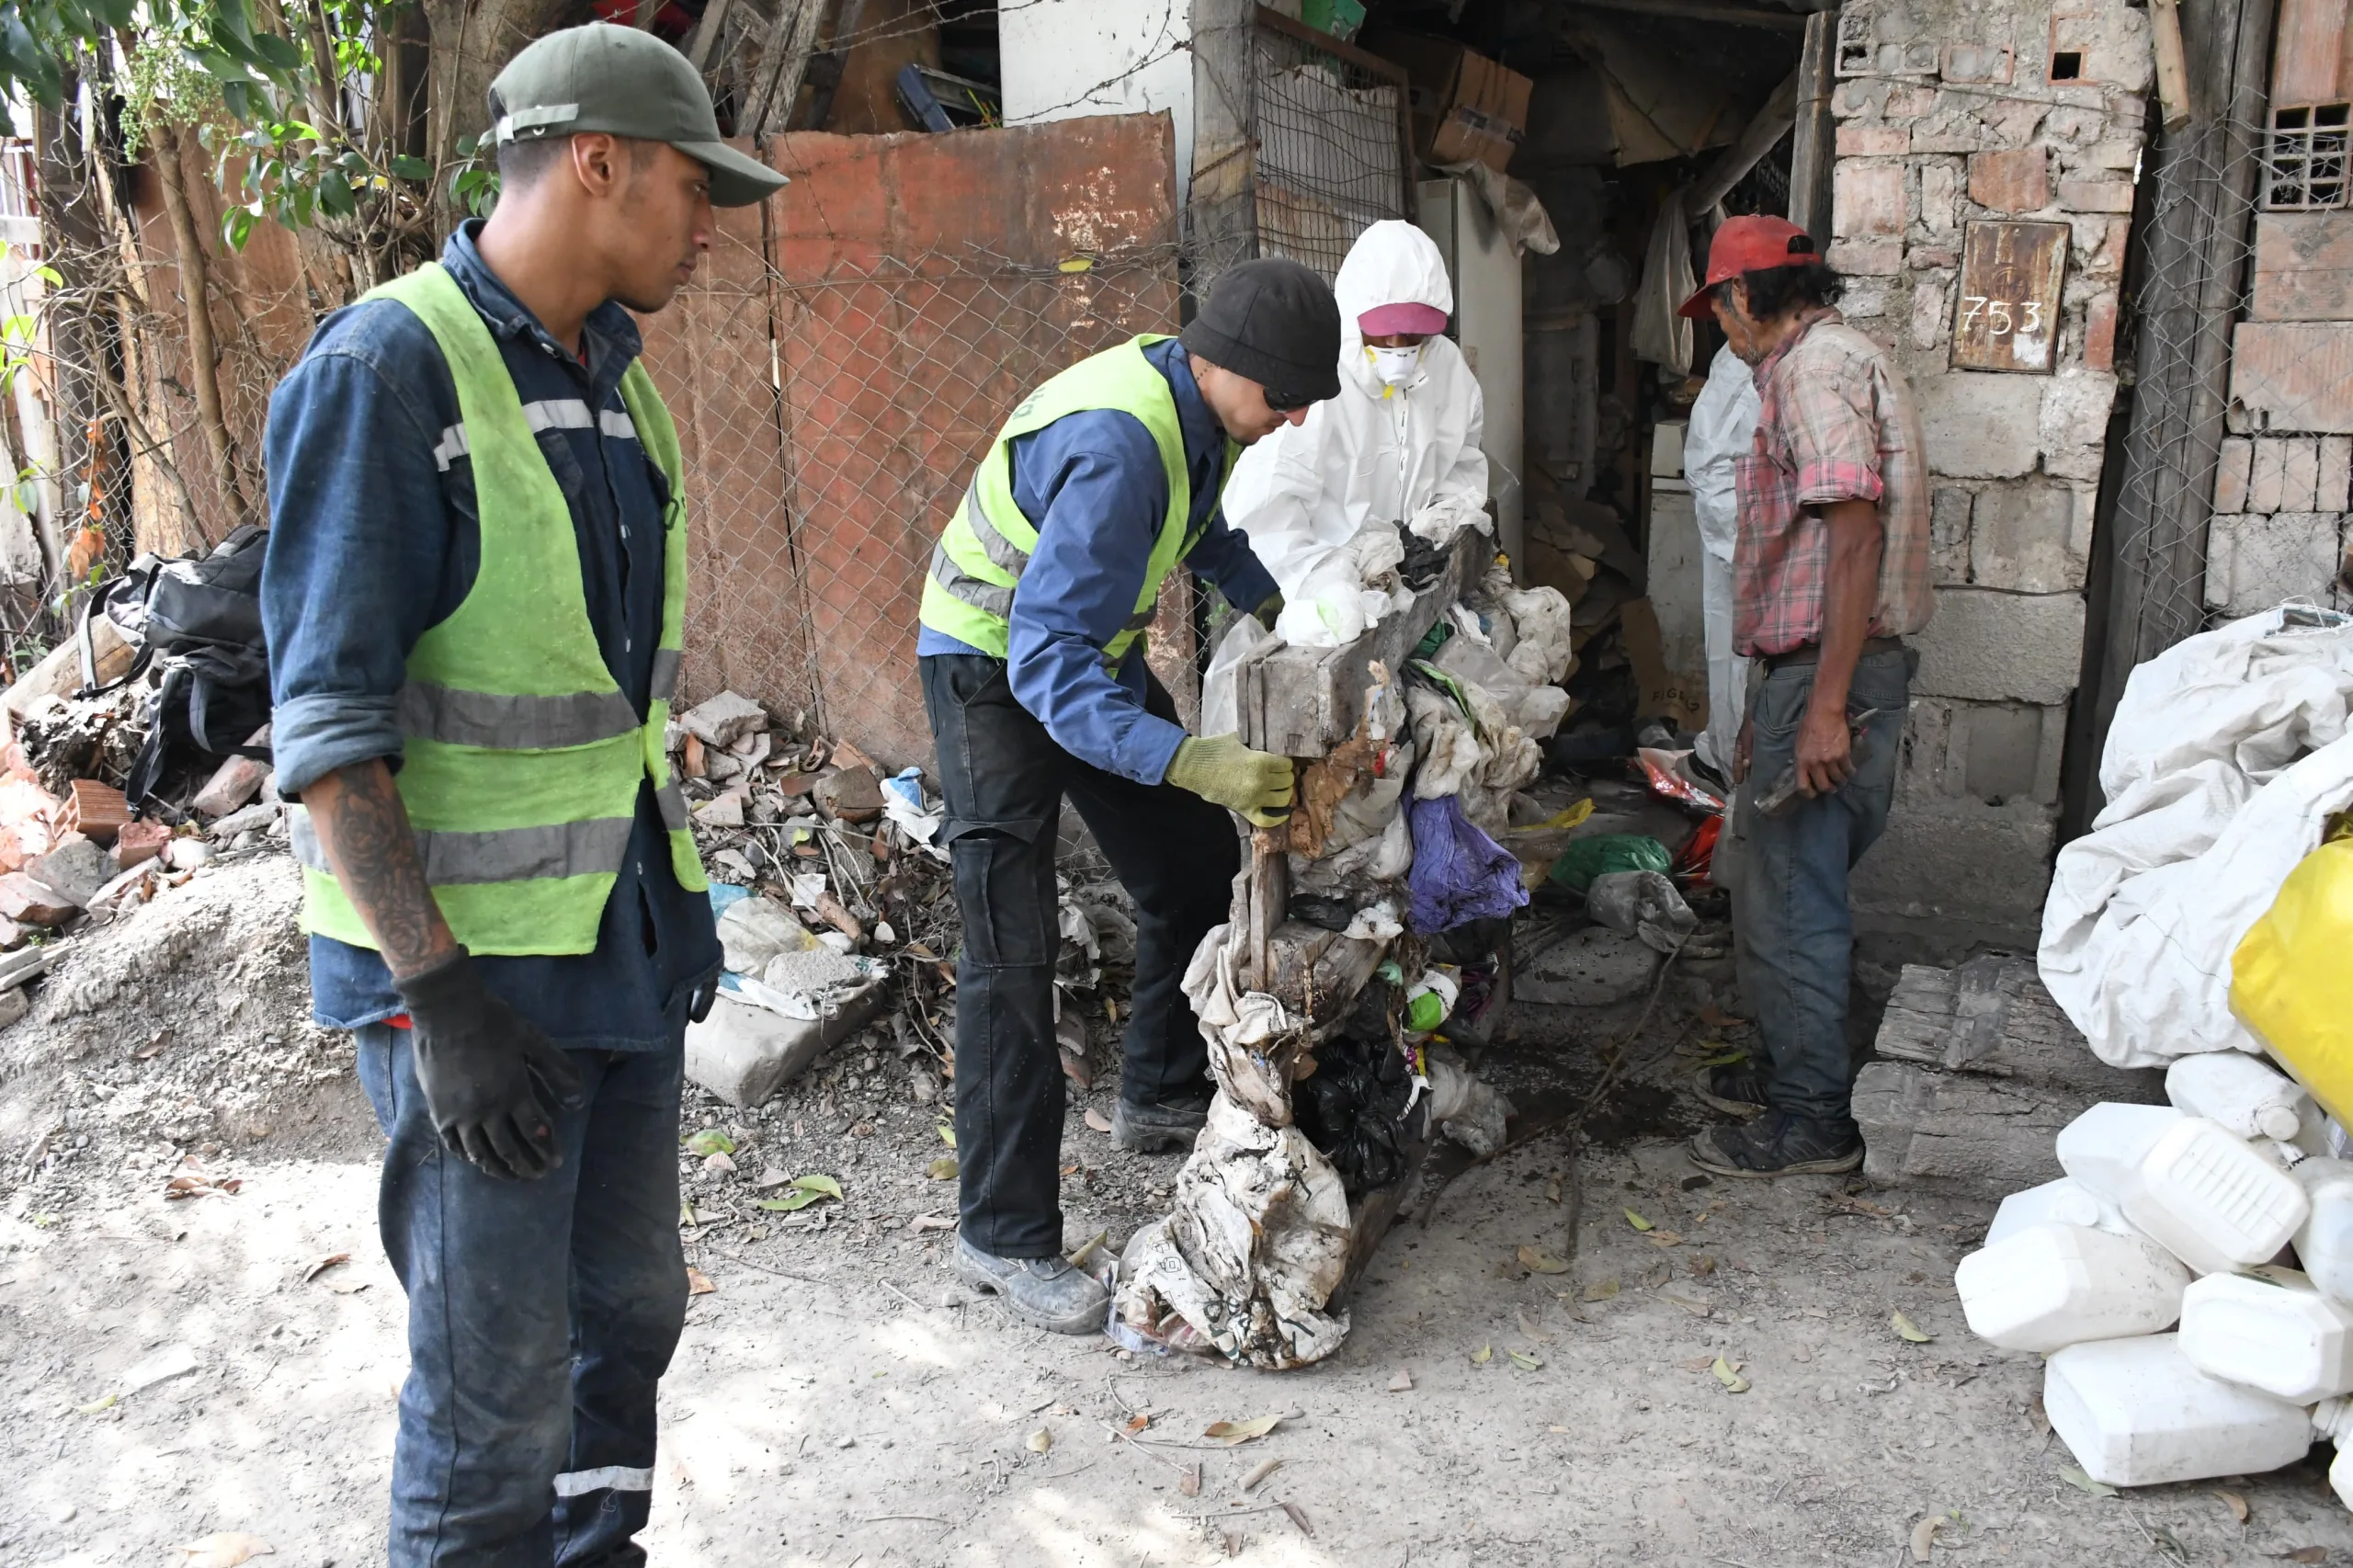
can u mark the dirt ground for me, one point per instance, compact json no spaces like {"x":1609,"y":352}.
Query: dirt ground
{"x":170,"y":1367}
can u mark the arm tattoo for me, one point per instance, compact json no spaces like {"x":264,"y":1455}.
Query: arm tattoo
{"x":363,"y":826}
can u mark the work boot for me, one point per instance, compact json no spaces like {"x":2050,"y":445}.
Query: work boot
{"x":1737,"y":1089}
{"x":1777,"y":1144}
{"x":1044,"y":1292}
{"x":1166,"y":1124}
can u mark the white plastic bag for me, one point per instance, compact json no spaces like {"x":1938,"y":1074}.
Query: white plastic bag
{"x":1221,"y":684}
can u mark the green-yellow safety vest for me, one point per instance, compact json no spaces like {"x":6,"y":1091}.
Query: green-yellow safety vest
{"x":985,"y":547}
{"x":522,"y":757}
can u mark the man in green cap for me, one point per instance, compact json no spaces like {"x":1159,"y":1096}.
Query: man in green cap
{"x":473,"y":596}
{"x":1033,"y":674}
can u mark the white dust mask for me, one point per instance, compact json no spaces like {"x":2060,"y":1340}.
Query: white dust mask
{"x":1395,"y":367}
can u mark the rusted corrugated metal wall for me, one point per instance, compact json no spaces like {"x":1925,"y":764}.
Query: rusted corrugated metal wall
{"x":848,"y":356}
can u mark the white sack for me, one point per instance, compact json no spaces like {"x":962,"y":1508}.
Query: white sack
{"x":2224,"y":757}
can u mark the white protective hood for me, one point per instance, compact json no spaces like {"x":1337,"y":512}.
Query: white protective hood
{"x":1374,"y":454}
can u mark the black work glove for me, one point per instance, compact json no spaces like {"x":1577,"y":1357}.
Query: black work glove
{"x":492,"y":1079}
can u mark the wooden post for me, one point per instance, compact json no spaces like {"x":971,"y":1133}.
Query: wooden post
{"x":1813,"y":137}
{"x":2173,"y":67}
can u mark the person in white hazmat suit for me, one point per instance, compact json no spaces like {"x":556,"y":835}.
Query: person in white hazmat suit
{"x":1398,"y":444}
{"x":1722,"y":429}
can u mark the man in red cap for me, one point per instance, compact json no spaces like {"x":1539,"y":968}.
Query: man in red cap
{"x":1830,"y":575}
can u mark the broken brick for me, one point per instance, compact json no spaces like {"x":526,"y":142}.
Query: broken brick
{"x":1873,"y":140}
{"x":233,"y":782}
{"x":95,"y":811}
{"x":850,"y":794}
{"x":140,"y":842}
{"x":2096,"y":195}
{"x":2016,"y":181}
{"x":2099,"y":333}
{"x":29,"y":903}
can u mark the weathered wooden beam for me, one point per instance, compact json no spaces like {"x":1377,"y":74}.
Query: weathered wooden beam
{"x":1992,"y":1015}
{"x":1957,"y":1131}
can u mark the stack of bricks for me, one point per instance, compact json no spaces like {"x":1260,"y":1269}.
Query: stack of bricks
{"x":2279,"y":517}
{"x":1951,"y":113}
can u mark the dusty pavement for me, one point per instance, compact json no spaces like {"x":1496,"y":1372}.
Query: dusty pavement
{"x":171,"y":1368}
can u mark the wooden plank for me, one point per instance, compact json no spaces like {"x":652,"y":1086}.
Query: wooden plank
{"x":1959,"y":1131}
{"x":1304,"y":701}
{"x":1992,"y":1016}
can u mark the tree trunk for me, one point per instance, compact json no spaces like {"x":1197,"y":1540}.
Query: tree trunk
{"x":469,"y":44}
{"x":203,"y":355}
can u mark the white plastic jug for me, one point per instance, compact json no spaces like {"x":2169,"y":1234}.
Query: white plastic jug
{"x":2325,"y":1241}
{"x":2239,"y":1094}
{"x":2202,"y":1193}
{"x":2135,"y":1413}
{"x":2054,"y":1285}
{"x":2065,"y":1202}
{"x":2269,"y":1329}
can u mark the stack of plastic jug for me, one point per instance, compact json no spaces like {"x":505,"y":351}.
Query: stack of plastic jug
{"x":2183,"y":1214}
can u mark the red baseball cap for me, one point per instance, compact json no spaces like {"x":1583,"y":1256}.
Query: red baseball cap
{"x":1749,"y":244}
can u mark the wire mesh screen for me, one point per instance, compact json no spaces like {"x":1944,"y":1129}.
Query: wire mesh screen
{"x":839,"y":373}
{"x":1331,"y":147}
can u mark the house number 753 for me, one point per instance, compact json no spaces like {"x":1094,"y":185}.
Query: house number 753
{"x":2001,"y":316}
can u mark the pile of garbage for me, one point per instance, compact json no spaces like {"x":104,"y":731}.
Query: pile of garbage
{"x":2225,"y":1213}
{"x":834,"y":898}
{"x":1327,"y":1014}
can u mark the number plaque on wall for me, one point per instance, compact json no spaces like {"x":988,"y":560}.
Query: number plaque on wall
{"x":2007,"y":315}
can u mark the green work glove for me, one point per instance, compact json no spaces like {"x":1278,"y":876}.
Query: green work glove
{"x":1222,"y":769}
{"x":1268,"y":611}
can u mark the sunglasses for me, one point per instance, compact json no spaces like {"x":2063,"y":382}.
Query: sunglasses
{"x":1285,"y":402}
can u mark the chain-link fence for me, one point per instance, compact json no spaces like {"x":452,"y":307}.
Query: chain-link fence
{"x":1334,"y":143}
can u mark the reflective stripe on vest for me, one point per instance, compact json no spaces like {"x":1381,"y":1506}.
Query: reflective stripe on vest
{"x":977,"y":564}
{"x":523,"y":760}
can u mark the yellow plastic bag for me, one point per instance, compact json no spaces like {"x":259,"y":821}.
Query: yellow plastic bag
{"x":2291,"y":976}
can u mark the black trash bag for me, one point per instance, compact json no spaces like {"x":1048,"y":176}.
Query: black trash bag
{"x":1424,"y":560}
{"x":1350,"y":1110}
{"x":1313,"y":909}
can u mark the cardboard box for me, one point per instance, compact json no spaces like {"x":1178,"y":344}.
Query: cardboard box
{"x":1465,"y":106}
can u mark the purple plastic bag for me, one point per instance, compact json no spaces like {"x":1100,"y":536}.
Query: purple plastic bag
{"x":1460,"y":874}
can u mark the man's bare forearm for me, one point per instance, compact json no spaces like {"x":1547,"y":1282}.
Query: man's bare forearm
{"x":1849,"y":597}
{"x":363,"y":828}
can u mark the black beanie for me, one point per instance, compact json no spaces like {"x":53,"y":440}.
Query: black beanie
{"x":1273,"y":322}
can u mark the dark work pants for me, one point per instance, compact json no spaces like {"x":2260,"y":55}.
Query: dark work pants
{"x":1796,"y":935}
{"x":542,"y":1315}
{"x":1003,"y":779}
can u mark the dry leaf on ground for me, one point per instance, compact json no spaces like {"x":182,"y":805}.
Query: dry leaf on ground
{"x":1190,"y":1484}
{"x":1402,"y":1383}
{"x":1265,"y":1469}
{"x":2081,"y":1482}
{"x":1232,"y":1432}
{"x":944,"y":1168}
{"x":1905,"y":1328}
{"x":806,"y":1190}
{"x":1525,"y":1362}
{"x":1040,"y":1440}
{"x":225,"y":1549}
{"x":319,"y":1266}
{"x":1923,"y":1534}
{"x":1729,"y":1375}
{"x":2307,"y":1554}
{"x":1541,"y":1262}
{"x":1098,"y":1120}
{"x":2235,"y":1504}
{"x":698,"y":1282}
{"x":1481,"y":1357}
{"x":1299,"y":1517}
{"x":1601,"y":1289}
{"x":1638,"y":1221}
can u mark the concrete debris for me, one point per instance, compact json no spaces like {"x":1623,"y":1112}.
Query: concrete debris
{"x":850,"y":794}
{"x":259,"y":817}
{"x":77,"y":869}
{"x":140,"y":841}
{"x":724,"y":720}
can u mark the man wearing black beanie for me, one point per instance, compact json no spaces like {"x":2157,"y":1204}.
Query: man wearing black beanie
{"x":1031,"y":651}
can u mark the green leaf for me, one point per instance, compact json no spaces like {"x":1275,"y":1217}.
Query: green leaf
{"x":222,"y":68}
{"x":283,"y":53}
{"x":944,"y":1168}
{"x":335,"y":196}
{"x":408,"y":167}
{"x":1638,"y":1221}
{"x":707,"y":1141}
{"x":2081,"y":1482}
{"x":1906,"y":1329}
{"x":1481,"y":1357}
{"x":946,"y":1134}
{"x":806,"y":1190}
{"x":1525,"y":1362}
{"x":1728,"y":1376}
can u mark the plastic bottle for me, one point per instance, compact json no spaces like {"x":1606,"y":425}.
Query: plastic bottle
{"x":2055,"y":1285}
{"x":2239,"y":1094}
{"x":2135,"y":1413}
{"x":2066,"y":1201}
{"x":2204,"y":1195}
{"x":2325,"y":1241}
{"x":2269,"y":1329}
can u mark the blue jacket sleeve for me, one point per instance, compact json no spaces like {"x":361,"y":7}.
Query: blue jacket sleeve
{"x":359,"y":561}
{"x":1224,"y":555}
{"x":1096,"y":483}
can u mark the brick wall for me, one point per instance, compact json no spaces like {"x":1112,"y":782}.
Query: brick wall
{"x":1947,"y":114}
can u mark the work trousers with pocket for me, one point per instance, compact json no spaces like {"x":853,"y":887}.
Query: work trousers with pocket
{"x":1796,"y":935}
{"x":542,"y":1315}
{"x":1003,"y":779}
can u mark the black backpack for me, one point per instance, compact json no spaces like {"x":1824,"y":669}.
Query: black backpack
{"x":197,"y":619}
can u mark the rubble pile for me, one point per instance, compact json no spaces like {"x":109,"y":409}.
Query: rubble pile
{"x":835,"y":903}
{"x":1361,"y":931}
{"x":2226,"y":1212}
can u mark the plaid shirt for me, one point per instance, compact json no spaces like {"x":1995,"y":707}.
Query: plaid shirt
{"x":1835,"y":423}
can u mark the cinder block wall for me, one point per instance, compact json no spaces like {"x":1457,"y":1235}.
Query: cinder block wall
{"x":1947,"y":113}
